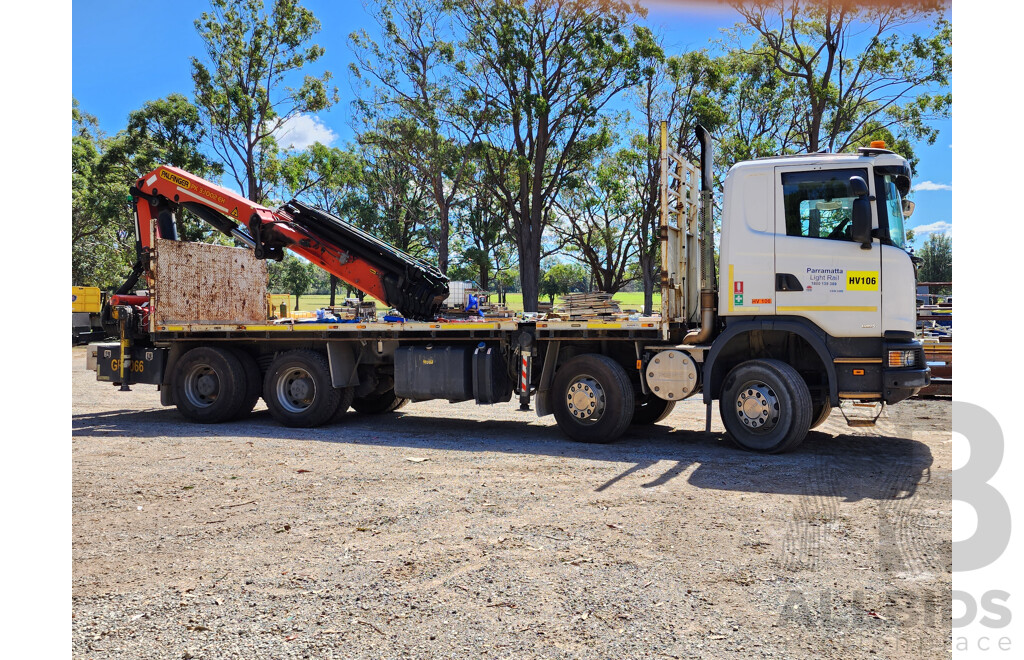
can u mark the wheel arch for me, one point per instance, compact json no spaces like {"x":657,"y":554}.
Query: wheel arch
{"x":735,"y":345}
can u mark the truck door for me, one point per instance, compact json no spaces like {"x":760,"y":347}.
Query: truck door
{"x":821,"y":274}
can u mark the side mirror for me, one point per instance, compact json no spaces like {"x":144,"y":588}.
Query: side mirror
{"x":861,"y":230}
{"x":908,"y":208}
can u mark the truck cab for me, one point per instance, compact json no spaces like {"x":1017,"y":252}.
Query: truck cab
{"x":814,"y":271}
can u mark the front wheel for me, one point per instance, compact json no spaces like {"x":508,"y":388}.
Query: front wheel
{"x":593,"y":398}
{"x":765,"y":406}
{"x":298,"y":389}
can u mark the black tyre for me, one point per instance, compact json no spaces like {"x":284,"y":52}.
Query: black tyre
{"x":377,"y":403}
{"x":593,"y":399}
{"x":253,"y":381}
{"x":650,"y":409}
{"x":820,"y":410}
{"x":298,"y":389}
{"x":209,"y":385}
{"x":348,"y":394}
{"x":765,"y":406}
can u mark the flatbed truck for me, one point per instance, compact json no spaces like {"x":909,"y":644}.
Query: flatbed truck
{"x":815,"y":309}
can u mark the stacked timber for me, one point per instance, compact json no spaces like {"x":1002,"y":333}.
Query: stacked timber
{"x":583,"y":306}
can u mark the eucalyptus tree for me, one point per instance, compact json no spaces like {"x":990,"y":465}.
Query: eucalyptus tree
{"x":413,"y":102}
{"x":684,"y":90}
{"x":252,"y":82}
{"x":600,"y":222}
{"x":545,"y":70}
{"x":859,"y":71}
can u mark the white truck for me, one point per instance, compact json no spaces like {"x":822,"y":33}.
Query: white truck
{"x":815,"y":308}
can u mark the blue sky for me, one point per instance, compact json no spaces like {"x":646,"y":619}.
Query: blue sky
{"x":122,"y":56}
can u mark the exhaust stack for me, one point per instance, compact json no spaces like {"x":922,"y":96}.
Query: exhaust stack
{"x":708,"y":281}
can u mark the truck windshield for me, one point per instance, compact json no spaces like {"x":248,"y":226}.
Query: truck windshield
{"x":894,"y":210}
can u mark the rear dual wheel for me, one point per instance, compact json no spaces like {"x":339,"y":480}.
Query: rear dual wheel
{"x":215,"y":384}
{"x":299,"y":393}
{"x":209,"y":385}
{"x":377,"y":403}
{"x":593,"y":399}
{"x":651,"y":409}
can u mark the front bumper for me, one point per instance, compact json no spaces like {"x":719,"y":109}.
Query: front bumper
{"x":900,"y":384}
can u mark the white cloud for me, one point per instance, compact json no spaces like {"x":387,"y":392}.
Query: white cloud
{"x":939,"y":227}
{"x":302,"y":131}
{"x":925,"y":186}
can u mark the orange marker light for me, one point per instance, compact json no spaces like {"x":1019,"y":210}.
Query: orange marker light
{"x":878,"y":144}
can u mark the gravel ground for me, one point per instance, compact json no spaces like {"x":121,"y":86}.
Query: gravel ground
{"x":458,"y":531}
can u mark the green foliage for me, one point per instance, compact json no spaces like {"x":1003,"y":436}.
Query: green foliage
{"x":326,"y":177}
{"x":600,"y":222}
{"x":547,"y":69}
{"x":836,"y":75}
{"x":242,"y":90}
{"x":102,"y":237}
{"x":563,"y":278}
{"x":482,"y":237}
{"x":294,"y":276}
{"x":936,"y":259}
{"x":415,"y":103}
{"x":388,"y":204}
{"x":684,"y":90}
{"x":167,"y":131}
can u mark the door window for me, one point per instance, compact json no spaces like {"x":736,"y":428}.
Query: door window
{"x":819,"y":203}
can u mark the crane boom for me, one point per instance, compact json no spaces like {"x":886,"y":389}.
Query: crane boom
{"x":410,"y":285}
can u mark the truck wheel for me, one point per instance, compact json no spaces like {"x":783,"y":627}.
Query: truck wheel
{"x":820,"y":412}
{"x":766,"y":406}
{"x":375,"y":404}
{"x":348,"y":394}
{"x":593,"y":398}
{"x":298,"y":389}
{"x":650,"y":409}
{"x":209,"y":385}
{"x":253,"y":381}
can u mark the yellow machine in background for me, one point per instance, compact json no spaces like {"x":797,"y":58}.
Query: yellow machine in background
{"x":86,"y":305}
{"x":278,"y":305}
{"x":86,"y":300}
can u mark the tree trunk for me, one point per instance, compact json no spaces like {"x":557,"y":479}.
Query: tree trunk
{"x":442,"y":239}
{"x":529,"y":270}
{"x":484,"y":276}
{"x":647,"y":273}
{"x":334,"y":287}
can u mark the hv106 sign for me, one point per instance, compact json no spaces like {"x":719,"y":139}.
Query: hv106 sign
{"x":838,"y":280}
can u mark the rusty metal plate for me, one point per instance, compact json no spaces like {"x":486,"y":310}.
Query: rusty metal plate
{"x":202,"y":283}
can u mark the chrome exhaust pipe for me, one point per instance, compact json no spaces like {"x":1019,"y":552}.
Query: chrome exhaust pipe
{"x":708,"y":288}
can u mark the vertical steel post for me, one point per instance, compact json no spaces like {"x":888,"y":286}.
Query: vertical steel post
{"x":525,"y":376}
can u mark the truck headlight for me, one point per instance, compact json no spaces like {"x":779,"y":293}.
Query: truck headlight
{"x":902,"y":358}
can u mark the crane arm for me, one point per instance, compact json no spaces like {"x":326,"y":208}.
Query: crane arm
{"x":410,"y":285}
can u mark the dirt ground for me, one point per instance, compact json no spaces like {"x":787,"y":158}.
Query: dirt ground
{"x":464,"y":531}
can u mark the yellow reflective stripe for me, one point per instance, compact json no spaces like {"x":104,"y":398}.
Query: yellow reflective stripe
{"x":827,"y":308}
{"x":467,"y":326}
{"x":732,"y":300}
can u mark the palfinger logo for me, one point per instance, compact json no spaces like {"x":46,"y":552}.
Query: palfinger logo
{"x":175,"y":179}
